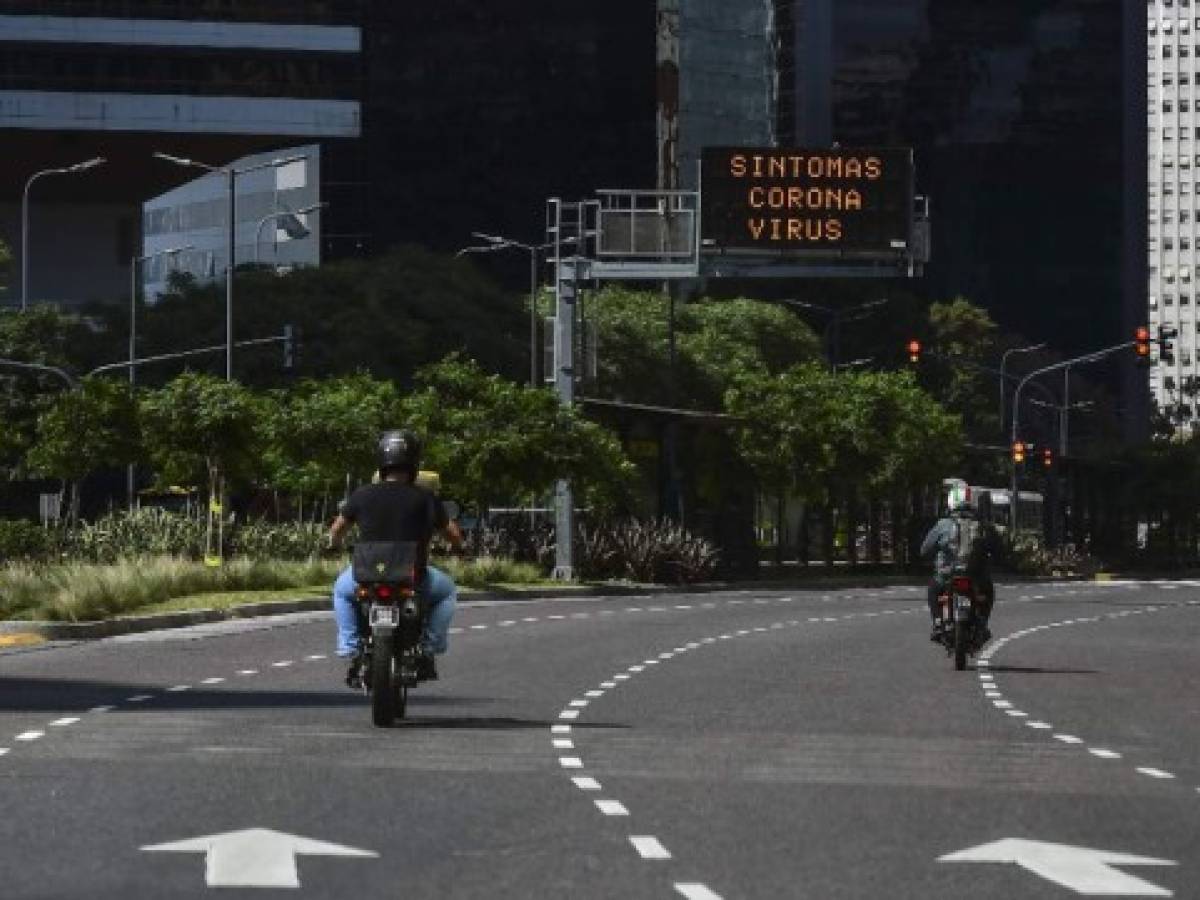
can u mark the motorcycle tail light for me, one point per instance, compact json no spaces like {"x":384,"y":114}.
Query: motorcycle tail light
{"x":361,"y":592}
{"x":962,"y":584}
{"x":383,"y":591}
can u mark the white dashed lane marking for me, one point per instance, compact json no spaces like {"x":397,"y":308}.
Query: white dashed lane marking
{"x":649,"y":847}
{"x":64,"y":722}
{"x":138,"y":698}
{"x":612,"y":808}
{"x":991,"y":690}
{"x":693,"y":891}
{"x":29,"y":735}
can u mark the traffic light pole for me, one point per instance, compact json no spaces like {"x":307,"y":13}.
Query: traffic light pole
{"x":1094,"y":356}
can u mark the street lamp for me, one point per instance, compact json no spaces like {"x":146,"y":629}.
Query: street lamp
{"x":492,"y":244}
{"x":231,"y":175}
{"x":133,"y":295}
{"x":834,"y":325}
{"x":65,"y":170}
{"x":289,"y":221}
{"x":1003,"y":361}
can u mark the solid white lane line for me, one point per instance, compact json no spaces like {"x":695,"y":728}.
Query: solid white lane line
{"x":648,"y":846}
{"x":179,"y":688}
{"x":214,"y":680}
{"x":693,"y":890}
{"x":586,"y":784}
{"x":570,"y":762}
{"x":138,"y":698}
{"x":101,"y":709}
{"x":29,"y":735}
{"x":1103,"y":754}
{"x":611,"y":808}
{"x":65,"y":721}
{"x":563,"y":744}
{"x":1154,"y":773}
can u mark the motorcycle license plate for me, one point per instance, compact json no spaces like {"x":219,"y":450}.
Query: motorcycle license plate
{"x":963,"y":604}
{"x":387,"y":616}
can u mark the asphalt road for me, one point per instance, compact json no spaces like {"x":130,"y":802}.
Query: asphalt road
{"x":746,"y":744}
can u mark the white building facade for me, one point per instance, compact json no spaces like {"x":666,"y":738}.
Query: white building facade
{"x":1173,"y":156}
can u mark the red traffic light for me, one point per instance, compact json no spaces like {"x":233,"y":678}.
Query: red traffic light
{"x":1141,"y":344}
{"x":914,"y":351}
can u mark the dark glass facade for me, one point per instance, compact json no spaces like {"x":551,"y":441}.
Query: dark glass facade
{"x":1017,"y":115}
{"x":475,"y":113}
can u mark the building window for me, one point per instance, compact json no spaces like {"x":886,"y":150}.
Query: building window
{"x":1168,"y":243}
{"x":1185,"y":243}
{"x":1185,"y":299}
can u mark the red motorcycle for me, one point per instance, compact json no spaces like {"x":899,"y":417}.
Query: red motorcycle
{"x":962,"y":620}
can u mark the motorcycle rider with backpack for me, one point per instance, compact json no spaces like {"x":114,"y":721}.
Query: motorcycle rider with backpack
{"x":395,"y":508}
{"x":963,"y":540}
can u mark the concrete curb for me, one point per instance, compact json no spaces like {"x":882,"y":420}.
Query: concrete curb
{"x":88,"y":631}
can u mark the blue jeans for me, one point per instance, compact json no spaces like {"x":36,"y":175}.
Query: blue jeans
{"x":436,"y":593}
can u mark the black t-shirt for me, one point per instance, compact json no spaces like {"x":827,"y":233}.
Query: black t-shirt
{"x":395,"y":511}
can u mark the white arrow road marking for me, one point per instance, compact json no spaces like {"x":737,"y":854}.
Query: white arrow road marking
{"x":255,"y":857}
{"x":1081,"y":869}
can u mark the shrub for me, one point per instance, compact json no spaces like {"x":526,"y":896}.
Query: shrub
{"x":22,"y":541}
{"x":279,"y":540}
{"x":147,"y":531}
{"x":656,"y":550}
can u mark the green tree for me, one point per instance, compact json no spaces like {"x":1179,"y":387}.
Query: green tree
{"x":201,"y":430}
{"x":46,"y":337}
{"x":320,"y":436}
{"x":716,"y":342}
{"x":494,"y":441}
{"x":85,"y":430}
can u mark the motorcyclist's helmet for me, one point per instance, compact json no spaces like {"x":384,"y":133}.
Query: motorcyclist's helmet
{"x":400,"y":449}
{"x":958,"y":499}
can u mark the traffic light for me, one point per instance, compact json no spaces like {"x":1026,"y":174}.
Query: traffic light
{"x":914,"y":351}
{"x":1047,"y":458}
{"x":1166,"y":349}
{"x":291,"y":341}
{"x":1018,"y":452}
{"x":1141,"y":345}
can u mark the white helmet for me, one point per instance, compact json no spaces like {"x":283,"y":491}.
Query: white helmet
{"x":958,"y":498}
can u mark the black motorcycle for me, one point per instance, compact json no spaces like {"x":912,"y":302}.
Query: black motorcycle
{"x":961,"y":623}
{"x":392,"y":620}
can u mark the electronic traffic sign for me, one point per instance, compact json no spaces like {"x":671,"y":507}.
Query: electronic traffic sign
{"x":854,"y":200}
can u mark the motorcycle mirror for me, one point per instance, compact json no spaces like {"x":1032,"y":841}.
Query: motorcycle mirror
{"x":452,"y":509}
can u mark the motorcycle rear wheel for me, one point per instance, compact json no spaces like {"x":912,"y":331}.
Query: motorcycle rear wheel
{"x":384,"y":683}
{"x":961,"y":639}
